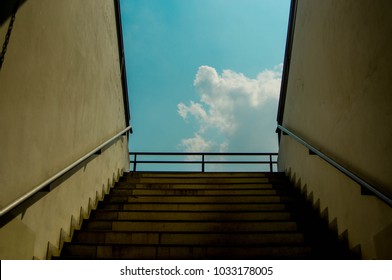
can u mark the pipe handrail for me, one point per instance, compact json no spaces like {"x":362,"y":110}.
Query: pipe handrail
{"x":203,"y":162}
{"x":67,"y":169}
{"x":338,"y":166}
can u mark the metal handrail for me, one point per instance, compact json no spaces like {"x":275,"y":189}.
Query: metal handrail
{"x":63,"y":172}
{"x":338,"y":166}
{"x":203,"y":162}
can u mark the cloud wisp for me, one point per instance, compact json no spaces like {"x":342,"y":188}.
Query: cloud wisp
{"x":232,"y":111}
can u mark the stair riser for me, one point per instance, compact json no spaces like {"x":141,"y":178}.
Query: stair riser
{"x":202,"y":175}
{"x":168,"y":226}
{"x":146,"y":238}
{"x":197,"y":186}
{"x":186,"y":252}
{"x":193,"y":207}
{"x":219,"y":181}
{"x":199,"y":199}
{"x":191,"y":216}
{"x":194,"y":192}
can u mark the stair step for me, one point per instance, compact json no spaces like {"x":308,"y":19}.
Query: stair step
{"x":201,"y":198}
{"x":175,"y":238}
{"x":208,"y":186}
{"x":191,"y":226}
{"x":190,"y":215}
{"x":192,"y":191}
{"x":201,"y":180}
{"x":88,"y":251}
{"x":192,"y":206}
{"x":202,"y":175}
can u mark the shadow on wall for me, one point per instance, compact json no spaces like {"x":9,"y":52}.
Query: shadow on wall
{"x":8,"y":8}
{"x":330,"y":223}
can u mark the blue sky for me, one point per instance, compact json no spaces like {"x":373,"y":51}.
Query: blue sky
{"x":204,"y":75}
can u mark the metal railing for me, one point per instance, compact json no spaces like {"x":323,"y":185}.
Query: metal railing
{"x":338,"y":166}
{"x":70,"y":168}
{"x":272,"y":159}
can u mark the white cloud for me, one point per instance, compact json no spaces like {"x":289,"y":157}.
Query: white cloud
{"x":229,"y":104}
{"x":195,"y":109}
{"x":196,"y":144}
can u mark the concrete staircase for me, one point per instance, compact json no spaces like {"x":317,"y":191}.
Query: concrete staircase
{"x":204,"y":216}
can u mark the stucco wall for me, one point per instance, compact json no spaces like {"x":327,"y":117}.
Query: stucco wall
{"x":339,"y":100}
{"x":60,"y":97}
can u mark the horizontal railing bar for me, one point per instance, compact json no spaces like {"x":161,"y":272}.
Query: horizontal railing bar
{"x":205,"y":162}
{"x":197,"y":153}
{"x":41,"y":186}
{"x":164,"y":161}
{"x":338,"y":166}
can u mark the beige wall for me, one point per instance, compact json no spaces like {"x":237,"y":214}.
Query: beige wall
{"x":339,"y":99}
{"x":60,"y":97}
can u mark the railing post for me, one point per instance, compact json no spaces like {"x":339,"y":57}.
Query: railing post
{"x":134,"y":162}
{"x":271,"y":167}
{"x":202,"y":163}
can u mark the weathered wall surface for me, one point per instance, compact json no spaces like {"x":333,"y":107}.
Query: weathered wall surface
{"x":60,"y":97}
{"x":339,"y":99}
